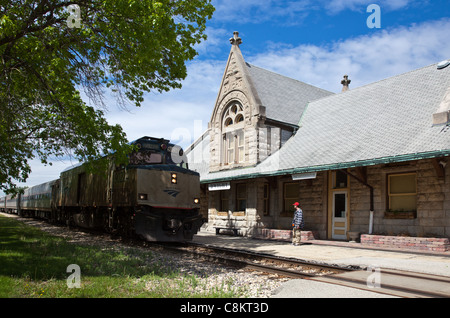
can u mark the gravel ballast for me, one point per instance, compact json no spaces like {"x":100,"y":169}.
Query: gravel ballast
{"x":208,"y":275}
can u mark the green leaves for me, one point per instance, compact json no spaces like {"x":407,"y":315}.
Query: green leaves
{"x":128,"y":47}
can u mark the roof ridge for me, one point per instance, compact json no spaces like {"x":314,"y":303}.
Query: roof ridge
{"x":390,"y":78}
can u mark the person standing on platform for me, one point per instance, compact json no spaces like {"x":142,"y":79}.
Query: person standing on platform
{"x":297,"y":224}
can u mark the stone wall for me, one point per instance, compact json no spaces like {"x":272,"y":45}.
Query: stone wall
{"x":313,"y":201}
{"x":312,"y":197}
{"x":433,"y":201}
{"x":432,"y":216}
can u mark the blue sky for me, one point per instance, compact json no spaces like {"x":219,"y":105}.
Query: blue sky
{"x":316,"y":42}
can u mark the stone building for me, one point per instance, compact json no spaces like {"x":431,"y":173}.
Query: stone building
{"x":374,"y":159}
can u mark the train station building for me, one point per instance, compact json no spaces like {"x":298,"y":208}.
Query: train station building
{"x":374,"y":159}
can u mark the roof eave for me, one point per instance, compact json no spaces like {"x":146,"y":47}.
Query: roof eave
{"x":337,"y":166}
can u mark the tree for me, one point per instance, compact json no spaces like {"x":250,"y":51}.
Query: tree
{"x":50,"y":50}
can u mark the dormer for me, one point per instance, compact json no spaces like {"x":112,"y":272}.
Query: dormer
{"x":442,"y":114}
{"x":236,"y":116}
{"x":256,"y":112}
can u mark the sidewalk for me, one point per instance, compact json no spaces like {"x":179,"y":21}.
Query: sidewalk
{"x":334,"y":253}
{"x":339,"y":253}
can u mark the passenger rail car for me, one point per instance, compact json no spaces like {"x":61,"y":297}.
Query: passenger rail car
{"x":155,"y":196}
{"x":9,"y":204}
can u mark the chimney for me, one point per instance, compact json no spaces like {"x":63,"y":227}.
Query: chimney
{"x":345,"y":82}
{"x":442,"y":114}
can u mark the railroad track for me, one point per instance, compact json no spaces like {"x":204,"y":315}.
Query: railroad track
{"x":391,"y":282}
{"x":284,"y":267}
{"x":398,"y":283}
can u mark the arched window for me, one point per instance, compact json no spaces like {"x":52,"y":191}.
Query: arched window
{"x":233,"y":115}
{"x":233,"y":134}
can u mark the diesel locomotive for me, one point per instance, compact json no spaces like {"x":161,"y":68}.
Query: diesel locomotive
{"x":155,"y":196}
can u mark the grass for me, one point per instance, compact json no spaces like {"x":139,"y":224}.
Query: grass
{"x":33,"y":264}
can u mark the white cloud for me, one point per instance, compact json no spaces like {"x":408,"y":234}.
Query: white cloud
{"x":176,"y":115}
{"x":44,"y":173}
{"x":215,"y":42}
{"x":365,"y":59}
{"x":258,"y":11}
{"x":293,"y":12}
{"x":336,"y":6}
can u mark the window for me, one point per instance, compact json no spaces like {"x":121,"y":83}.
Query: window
{"x":231,"y":143}
{"x":233,"y":115}
{"x":402,"y":192}
{"x":233,"y":136}
{"x":235,"y":147}
{"x":241,"y":197}
{"x":224,"y":199}
{"x":290,"y":193}
{"x":228,"y":122}
{"x":339,"y":204}
{"x":340,"y":179}
{"x":240,"y":146}
{"x":266,"y":200}
{"x":145,"y":157}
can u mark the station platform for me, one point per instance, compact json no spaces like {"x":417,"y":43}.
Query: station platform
{"x":337,"y":252}
{"x":334,"y":253}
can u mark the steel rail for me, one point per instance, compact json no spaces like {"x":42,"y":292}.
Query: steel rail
{"x":330,"y":278}
{"x":253,"y":261}
{"x":286,"y":260}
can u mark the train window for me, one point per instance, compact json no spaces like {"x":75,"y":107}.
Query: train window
{"x":145,"y":158}
{"x":154,"y":158}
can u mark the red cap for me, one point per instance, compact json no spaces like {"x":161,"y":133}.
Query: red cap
{"x":296,"y":204}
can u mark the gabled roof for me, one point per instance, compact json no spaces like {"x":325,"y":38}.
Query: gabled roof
{"x":387,"y":121}
{"x":284,"y":98}
{"x":271,"y":95}
{"x":392,"y":117}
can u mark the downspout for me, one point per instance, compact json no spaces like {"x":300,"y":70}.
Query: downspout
{"x":371,"y":198}
{"x":371,"y":209}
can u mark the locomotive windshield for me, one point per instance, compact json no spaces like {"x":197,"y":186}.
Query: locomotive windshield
{"x":151,"y":151}
{"x":143,"y":157}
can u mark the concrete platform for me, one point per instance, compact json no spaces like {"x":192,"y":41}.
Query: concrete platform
{"x":334,"y":253}
{"x":339,"y":253}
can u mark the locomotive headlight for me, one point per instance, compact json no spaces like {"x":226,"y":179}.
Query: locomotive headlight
{"x":142,"y":196}
{"x":196,"y":200}
{"x":174,"y":178}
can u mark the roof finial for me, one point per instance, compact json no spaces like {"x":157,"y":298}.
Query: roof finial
{"x":345,"y":82}
{"x":236,"y":40}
